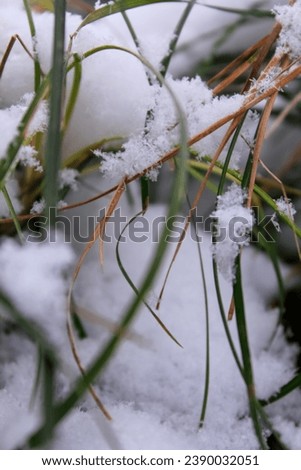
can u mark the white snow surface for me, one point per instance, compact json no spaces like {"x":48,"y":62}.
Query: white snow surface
{"x":152,"y":387}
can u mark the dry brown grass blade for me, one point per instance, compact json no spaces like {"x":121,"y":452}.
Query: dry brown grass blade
{"x":269,"y":41}
{"x":195,"y":203}
{"x":245,"y":56}
{"x":231,"y":310}
{"x":96,"y":234}
{"x":284,"y":193}
{"x":97,"y":319}
{"x":111,"y":208}
{"x":8,"y":50}
{"x":251,"y":101}
{"x":259,"y":143}
{"x":284,"y":113}
{"x":82,"y":369}
{"x":231,"y":78}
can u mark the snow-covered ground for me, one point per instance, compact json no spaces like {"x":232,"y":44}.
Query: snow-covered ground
{"x":152,"y":388}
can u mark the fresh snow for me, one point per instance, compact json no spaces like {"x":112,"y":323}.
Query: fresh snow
{"x":152,"y":388}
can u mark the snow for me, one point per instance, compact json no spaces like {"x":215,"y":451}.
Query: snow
{"x":67,"y":178}
{"x":289,"y":16}
{"x":286,"y":207}
{"x":152,"y":388}
{"x":234,"y":224}
{"x":37,"y":269}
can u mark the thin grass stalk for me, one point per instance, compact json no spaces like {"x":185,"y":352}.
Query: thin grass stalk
{"x":13,"y":148}
{"x":73,"y":92}
{"x":48,"y":363}
{"x":207,"y":322}
{"x":13,"y":214}
{"x":176,"y":35}
{"x":284,"y":390}
{"x":53,"y":142}
{"x":132,"y":285}
{"x":118,"y":7}
{"x":37,"y":65}
{"x":246,"y":353}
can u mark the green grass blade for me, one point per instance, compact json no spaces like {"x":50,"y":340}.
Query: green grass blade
{"x":53,"y":142}
{"x":176,"y":34}
{"x":7,"y":163}
{"x":37,"y":65}
{"x":118,"y":7}
{"x":131,"y":30}
{"x":144,"y":185}
{"x":246,"y":354}
{"x":224,"y":320}
{"x":132,"y":285}
{"x":293,"y":384}
{"x":48,"y":362}
{"x":74,"y":91}
{"x":206,"y":304}
{"x":229,"y":155}
{"x":13,"y":213}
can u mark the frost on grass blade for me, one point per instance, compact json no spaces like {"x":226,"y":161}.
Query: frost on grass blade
{"x":234,"y":223}
{"x":68,"y":178}
{"x":289,"y":16}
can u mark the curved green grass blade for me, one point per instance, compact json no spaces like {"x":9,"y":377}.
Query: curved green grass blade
{"x":48,"y":362}
{"x":54,"y":137}
{"x":176,"y":34}
{"x":293,"y":384}
{"x":118,"y":7}
{"x":13,"y":213}
{"x":73,"y":92}
{"x":206,"y":304}
{"x":253,"y":12}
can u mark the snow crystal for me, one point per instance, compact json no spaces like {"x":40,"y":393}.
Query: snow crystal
{"x":38,"y":206}
{"x":67,"y":178}
{"x":285,"y":206}
{"x":289,"y":16}
{"x":233,"y":224}
{"x":162,"y":129}
{"x":27,"y":155}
